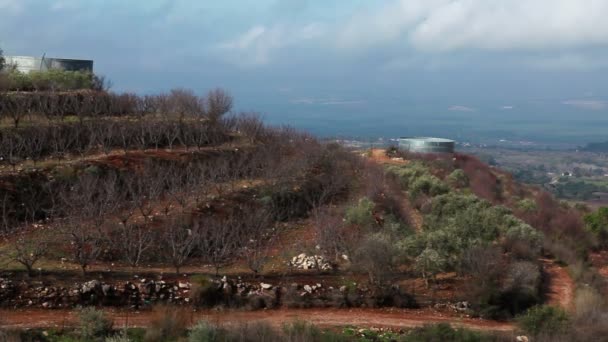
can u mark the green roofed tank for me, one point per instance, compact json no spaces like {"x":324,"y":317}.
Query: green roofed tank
{"x":426,"y":145}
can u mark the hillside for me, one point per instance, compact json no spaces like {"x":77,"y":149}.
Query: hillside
{"x":127,"y":203}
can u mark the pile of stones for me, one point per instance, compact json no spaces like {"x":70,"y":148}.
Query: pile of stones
{"x":310,"y":262}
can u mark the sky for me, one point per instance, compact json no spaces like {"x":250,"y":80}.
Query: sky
{"x":346,"y":67}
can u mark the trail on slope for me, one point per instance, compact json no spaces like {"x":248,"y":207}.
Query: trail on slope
{"x":386,"y":318}
{"x":560,"y":286}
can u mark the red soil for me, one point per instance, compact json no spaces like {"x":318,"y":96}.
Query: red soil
{"x":385,"y":318}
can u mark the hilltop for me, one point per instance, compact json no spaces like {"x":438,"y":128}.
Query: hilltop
{"x":126,"y":202}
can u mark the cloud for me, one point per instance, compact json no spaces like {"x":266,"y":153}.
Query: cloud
{"x":507,"y":107}
{"x":444,"y":25}
{"x":587,"y":104}
{"x":326,"y":101}
{"x":457,"y":108}
{"x":257,"y":45}
{"x":568,"y":61}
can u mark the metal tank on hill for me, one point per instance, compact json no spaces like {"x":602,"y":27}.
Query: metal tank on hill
{"x":26,"y":64}
{"x":426,"y":145}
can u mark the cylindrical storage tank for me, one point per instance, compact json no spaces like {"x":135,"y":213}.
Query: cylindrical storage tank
{"x":27,"y":64}
{"x":427,"y":145}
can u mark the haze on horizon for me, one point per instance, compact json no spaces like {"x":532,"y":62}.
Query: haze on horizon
{"x":516,"y":69}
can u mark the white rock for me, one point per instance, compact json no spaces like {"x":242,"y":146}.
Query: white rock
{"x":265,"y":286}
{"x":307,"y":288}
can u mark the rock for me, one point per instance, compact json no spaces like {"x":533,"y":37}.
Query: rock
{"x":106,"y":289}
{"x":521,"y":338}
{"x":183,"y":285}
{"x":308,"y":288}
{"x":343,"y":288}
{"x":265,"y":286}
{"x":345,"y":257}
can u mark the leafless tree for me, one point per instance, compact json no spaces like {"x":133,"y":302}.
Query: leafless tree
{"x":257,"y":240}
{"x":333,"y":235}
{"x":218,"y":103}
{"x":87,"y":205}
{"x":133,"y":240}
{"x":178,"y":241}
{"x":28,"y":250}
{"x":184,"y":103}
{"x":86,"y":244}
{"x":218,"y":240}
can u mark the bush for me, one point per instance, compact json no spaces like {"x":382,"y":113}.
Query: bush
{"x":361,"y":214}
{"x":121,"y":337}
{"x":57,"y":80}
{"x":408,"y":173}
{"x":546,"y":320}
{"x":589,"y":306}
{"x":304,"y":332}
{"x":427,"y":185}
{"x":597,"y":224}
{"x":444,"y":332}
{"x":204,"y":292}
{"x":203,"y":332}
{"x":376,"y":256}
{"x":94,"y":325}
{"x":458,"y":179}
{"x":169,"y":324}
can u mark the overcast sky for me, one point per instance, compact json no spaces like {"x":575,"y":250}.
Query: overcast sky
{"x":460,"y":55}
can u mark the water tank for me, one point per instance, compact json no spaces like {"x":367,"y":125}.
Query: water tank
{"x":426,"y":145}
{"x":26,"y":64}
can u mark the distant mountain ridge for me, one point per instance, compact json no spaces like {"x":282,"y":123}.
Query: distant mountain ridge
{"x":596,"y":147}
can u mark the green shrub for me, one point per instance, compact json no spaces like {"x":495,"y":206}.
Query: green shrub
{"x":361,"y":214}
{"x":527,"y":205}
{"x":203,"y":332}
{"x":444,"y":332}
{"x":94,"y":325}
{"x":204,"y":293}
{"x":407,"y":174}
{"x":428,"y":185}
{"x":121,"y":337}
{"x":376,"y":256}
{"x":597,"y":224}
{"x":169,"y":324}
{"x":544,"y":319}
{"x":458,"y":179}
{"x":57,"y":80}
{"x":303,"y":332}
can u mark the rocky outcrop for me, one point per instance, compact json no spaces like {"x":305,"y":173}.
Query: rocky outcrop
{"x":131,"y":293}
{"x":306,"y":262}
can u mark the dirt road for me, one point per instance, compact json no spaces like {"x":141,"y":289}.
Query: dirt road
{"x":386,"y":318}
{"x":560,"y":287}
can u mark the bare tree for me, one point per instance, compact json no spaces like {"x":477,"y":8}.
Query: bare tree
{"x":133,"y":240}
{"x":218,"y":103}
{"x":178,"y":242}
{"x":257,"y":240}
{"x":184,"y":103}
{"x":87,"y":204}
{"x":333,"y":235}
{"x":217,"y":240}
{"x":28,"y":250}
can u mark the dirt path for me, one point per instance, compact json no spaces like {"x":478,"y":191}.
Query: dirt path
{"x":379,"y":156}
{"x":560,"y":288}
{"x":386,"y":318}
